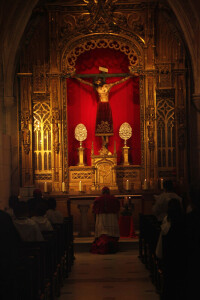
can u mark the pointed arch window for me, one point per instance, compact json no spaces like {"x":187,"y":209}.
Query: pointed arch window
{"x":166,"y":133}
{"x":42,"y":137}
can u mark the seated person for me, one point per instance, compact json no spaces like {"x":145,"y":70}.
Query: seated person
{"x":32,"y":202}
{"x":192,"y":242}
{"x":37,"y":194}
{"x":106,"y":208}
{"x":40,"y":218}
{"x":13,"y":200}
{"x":53,"y":215}
{"x":9,"y":256}
{"x":27,"y":228}
{"x":171,"y":250}
{"x":172,"y":221}
{"x":160,"y":207}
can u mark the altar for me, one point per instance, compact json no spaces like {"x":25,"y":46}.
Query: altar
{"x":104,"y":169}
{"x":83,"y":202}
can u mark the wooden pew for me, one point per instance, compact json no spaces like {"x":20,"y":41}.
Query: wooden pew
{"x":31,"y":274}
{"x":44,"y":265}
{"x":148,"y":238}
{"x":51,"y":238}
{"x":69,"y":243}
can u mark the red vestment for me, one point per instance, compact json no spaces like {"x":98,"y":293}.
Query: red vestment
{"x":104,"y":121}
{"x":106,"y":208}
{"x":106,"y":204}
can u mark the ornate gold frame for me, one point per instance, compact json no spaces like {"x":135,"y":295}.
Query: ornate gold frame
{"x":129,"y":47}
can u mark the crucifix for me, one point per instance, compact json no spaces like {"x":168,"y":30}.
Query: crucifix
{"x":104,"y":121}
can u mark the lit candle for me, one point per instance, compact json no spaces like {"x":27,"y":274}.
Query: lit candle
{"x":145,"y":184}
{"x":45,"y":187}
{"x":127,"y":185}
{"x":161,"y":183}
{"x":63,"y":187}
{"x":80,"y":186}
{"x":125,"y":200}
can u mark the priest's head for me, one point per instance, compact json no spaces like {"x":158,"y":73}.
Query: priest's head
{"x":105,"y":190}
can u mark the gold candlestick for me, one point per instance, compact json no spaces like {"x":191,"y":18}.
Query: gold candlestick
{"x":81,"y":155}
{"x":81,"y":135}
{"x":125,"y":156}
{"x":125,"y":132}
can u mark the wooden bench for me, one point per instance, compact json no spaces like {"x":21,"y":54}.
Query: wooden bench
{"x":44,"y":265}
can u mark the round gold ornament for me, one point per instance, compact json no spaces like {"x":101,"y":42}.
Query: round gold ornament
{"x":125,"y":132}
{"x":80,"y":133}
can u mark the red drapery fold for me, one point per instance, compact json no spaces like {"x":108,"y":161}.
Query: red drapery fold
{"x":124,"y":102}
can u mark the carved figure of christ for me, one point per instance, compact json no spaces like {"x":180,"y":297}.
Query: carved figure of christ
{"x":104,"y":121}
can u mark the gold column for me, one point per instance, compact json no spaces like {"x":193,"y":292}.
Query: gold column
{"x":125,"y":156}
{"x":81,"y":156}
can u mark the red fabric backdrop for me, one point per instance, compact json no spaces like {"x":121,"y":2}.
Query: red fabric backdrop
{"x":124,"y":101}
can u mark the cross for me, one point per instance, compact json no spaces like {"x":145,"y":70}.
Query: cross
{"x":104,"y":74}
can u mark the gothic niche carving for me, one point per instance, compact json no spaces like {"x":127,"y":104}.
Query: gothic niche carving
{"x":25,"y":132}
{"x":150,"y":118}
{"x":164,"y":75}
{"x":39,"y":78}
{"x":55,"y":120}
{"x":180,"y":116}
{"x":136,"y":23}
{"x":86,"y":44}
{"x":166,"y":128}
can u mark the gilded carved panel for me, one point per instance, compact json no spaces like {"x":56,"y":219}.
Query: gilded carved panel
{"x":39,"y":78}
{"x":165,"y":104}
{"x":164,"y":78}
{"x":25,"y":131}
{"x":71,"y":54}
{"x":101,"y":17}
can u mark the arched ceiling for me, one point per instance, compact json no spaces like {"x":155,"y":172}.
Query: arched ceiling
{"x":188,"y":16}
{"x":14,"y":16}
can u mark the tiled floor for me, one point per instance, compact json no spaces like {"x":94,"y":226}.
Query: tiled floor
{"x":119,"y":276}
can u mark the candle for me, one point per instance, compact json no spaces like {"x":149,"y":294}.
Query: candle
{"x":63,"y":187}
{"x":161,"y":183}
{"x":45,"y":187}
{"x":80,"y":186}
{"x":145,"y":184}
{"x":125,"y":200}
{"x":127,"y":185}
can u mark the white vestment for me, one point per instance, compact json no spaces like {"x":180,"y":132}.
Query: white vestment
{"x":43,"y":223}
{"x":107,"y":224}
{"x":28,"y":230}
{"x":54,"y":216}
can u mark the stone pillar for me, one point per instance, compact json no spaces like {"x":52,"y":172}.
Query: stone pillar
{"x":5,"y":169}
{"x":84,"y":230}
{"x":9,"y":104}
{"x":6,"y":150}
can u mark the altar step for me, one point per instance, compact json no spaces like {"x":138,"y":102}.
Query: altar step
{"x":83,"y":244}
